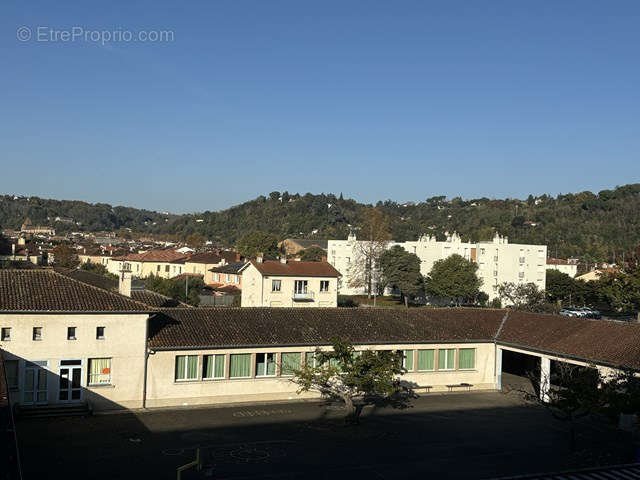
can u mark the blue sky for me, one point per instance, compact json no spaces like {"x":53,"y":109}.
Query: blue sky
{"x":401,"y":100}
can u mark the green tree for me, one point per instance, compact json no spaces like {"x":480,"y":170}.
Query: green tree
{"x":312,"y":254}
{"x":196,"y":240}
{"x":374,"y":236}
{"x":453,"y":278}
{"x":258,"y":243}
{"x":401,"y":269}
{"x":560,"y":287}
{"x":370,"y":377}
{"x":522,"y":296}
{"x":64,"y":256}
{"x":5,"y":245}
{"x":619,"y":290}
{"x":181,"y":289}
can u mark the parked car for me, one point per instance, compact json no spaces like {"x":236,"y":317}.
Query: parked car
{"x":582,"y":312}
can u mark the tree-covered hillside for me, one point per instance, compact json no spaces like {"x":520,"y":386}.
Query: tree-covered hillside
{"x":594,"y":226}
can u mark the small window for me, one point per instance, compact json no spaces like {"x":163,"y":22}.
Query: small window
{"x":289,"y":363}
{"x":265,"y":364}
{"x":212,"y":366}
{"x":186,"y":367}
{"x":6,"y":334}
{"x":37,"y":333}
{"x":71,"y":333}
{"x":276,"y":285}
{"x":157,"y":268}
{"x":100,"y":333}
{"x":324,"y":285}
{"x":239,"y":365}
{"x":99,"y":371}
{"x":467,"y":358}
{"x":166,"y":268}
{"x":446,"y":358}
{"x":228,"y":277}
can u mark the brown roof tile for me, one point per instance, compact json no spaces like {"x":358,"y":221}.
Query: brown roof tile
{"x":170,"y":256}
{"x":49,"y":291}
{"x":297,"y":268}
{"x":235,"y":327}
{"x":602,"y":341}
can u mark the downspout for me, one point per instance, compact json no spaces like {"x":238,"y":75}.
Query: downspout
{"x":495,"y":351}
{"x":146,"y":361}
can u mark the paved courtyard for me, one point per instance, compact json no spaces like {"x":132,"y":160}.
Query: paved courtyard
{"x":476,"y":435}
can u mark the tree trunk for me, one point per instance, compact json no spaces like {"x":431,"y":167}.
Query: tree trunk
{"x":406,"y":301}
{"x":353,"y":411}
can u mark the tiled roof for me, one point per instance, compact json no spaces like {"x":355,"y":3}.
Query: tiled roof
{"x":152,"y":299}
{"x":557,"y":261}
{"x":296,"y":268}
{"x":48,"y":291}
{"x":602,"y":341}
{"x":230,"y":268}
{"x":306,"y":243}
{"x":170,"y":256}
{"x":214,"y":258}
{"x":234,"y":327}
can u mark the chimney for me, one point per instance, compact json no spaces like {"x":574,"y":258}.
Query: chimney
{"x":283,"y":259}
{"x":259,"y":258}
{"x":124,"y":285}
{"x":13,"y":249}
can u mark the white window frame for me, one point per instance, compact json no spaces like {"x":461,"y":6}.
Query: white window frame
{"x":5,"y":334}
{"x":266,"y":363}
{"x":326,"y":284}
{"x":186,"y":369}
{"x":273,"y":286}
{"x":92,"y":384}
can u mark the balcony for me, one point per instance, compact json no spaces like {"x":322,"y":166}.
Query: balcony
{"x":303,"y":296}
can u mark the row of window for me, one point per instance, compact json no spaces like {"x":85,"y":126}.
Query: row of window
{"x":300,"y":286}
{"x":99,"y":372}
{"x":229,"y":278}
{"x":211,"y":367}
{"x":36,"y":333}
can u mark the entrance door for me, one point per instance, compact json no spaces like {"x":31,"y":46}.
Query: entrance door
{"x":35,"y":384}
{"x":70,"y":388}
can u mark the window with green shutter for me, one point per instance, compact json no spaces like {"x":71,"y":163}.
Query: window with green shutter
{"x":446,"y":358}
{"x":467,"y":358}
{"x":425,"y":360}
{"x":186,"y":367}
{"x":239,"y":365}
{"x":290,"y":361}
{"x":407,"y":360}
{"x":265,"y":364}
{"x":212,"y":366}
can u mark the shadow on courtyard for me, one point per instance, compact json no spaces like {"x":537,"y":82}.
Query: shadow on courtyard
{"x":477,"y":435}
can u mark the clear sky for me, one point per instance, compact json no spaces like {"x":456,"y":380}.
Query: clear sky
{"x":375,"y":99}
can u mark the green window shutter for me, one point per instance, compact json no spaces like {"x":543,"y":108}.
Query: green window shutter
{"x":219,"y":366}
{"x":192,"y":367}
{"x":290,"y":362}
{"x":180,"y":364}
{"x":239,"y":365}
{"x":408,"y":359}
{"x":425,"y":360}
{"x":467,"y":358}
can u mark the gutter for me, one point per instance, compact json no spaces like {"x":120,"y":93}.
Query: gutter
{"x":146,"y":360}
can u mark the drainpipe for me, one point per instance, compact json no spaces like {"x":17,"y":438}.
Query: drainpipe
{"x":146,"y":361}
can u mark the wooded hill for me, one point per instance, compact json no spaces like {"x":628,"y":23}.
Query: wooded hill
{"x":593,"y":226}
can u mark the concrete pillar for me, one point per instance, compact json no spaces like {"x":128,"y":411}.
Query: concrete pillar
{"x":499,"y":369}
{"x":545,"y":378}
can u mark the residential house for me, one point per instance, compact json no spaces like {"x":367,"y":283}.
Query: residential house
{"x":201,"y":263}
{"x":165,"y":263}
{"x":570,"y":266}
{"x":226,"y":278}
{"x":293,"y":283}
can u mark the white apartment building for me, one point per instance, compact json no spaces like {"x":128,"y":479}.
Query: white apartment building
{"x":498,"y":260}
{"x":570,"y":266}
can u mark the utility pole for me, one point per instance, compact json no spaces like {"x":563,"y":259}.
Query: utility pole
{"x":186,"y":287}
